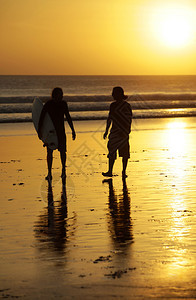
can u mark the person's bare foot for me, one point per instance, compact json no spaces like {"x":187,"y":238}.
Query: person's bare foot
{"x":124,"y":175}
{"x":107,"y":174}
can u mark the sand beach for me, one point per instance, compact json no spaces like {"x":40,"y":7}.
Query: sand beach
{"x":87,"y":238}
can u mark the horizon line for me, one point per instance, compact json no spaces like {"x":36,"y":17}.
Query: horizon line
{"x":85,"y":75}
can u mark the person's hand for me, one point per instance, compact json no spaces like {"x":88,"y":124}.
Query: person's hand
{"x":105,"y":135}
{"x":73,"y":135}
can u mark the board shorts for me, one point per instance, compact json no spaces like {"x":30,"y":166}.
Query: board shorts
{"x":62,"y":145}
{"x":119,"y":143}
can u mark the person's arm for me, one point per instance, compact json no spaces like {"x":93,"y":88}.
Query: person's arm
{"x":108,"y":123}
{"x":131,"y":118}
{"x":69,"y":120}
{"x":41,"y":119}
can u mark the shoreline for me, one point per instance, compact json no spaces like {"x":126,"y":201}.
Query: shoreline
{"x":24,"y":127}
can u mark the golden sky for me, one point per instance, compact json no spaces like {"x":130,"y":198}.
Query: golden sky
{"x":97,"y":37}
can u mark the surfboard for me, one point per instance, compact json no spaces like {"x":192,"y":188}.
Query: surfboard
{"x":48,"y":132}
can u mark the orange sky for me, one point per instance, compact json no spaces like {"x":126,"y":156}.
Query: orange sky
{"x":90,"y":37}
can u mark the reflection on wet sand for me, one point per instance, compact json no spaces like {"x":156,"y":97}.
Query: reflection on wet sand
{"x":119,"y":223}
{"x":51,"y":230}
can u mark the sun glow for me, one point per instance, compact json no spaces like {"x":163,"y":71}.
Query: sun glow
{"x":174,"y":26}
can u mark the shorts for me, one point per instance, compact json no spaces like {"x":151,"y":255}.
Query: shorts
{"x":62,"y":145}
{"x":121,"y":144}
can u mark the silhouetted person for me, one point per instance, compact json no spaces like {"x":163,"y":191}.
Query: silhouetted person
{"x":120,"y":116}
{"x":120,"y":224}
{"x":57,"y":109}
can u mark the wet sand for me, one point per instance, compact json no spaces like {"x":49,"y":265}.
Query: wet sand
{"x":89,"y":239}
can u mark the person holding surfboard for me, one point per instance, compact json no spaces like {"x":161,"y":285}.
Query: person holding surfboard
{"x":120,"y":116}
{"x":57,"y":109}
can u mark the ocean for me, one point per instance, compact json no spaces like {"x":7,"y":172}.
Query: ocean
{"x":89,"y":97}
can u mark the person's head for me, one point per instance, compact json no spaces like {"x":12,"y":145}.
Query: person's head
{"x":118,"y":94}
{"x":57,"y":94}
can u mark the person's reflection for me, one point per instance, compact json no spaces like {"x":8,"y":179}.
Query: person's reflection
{"x":51,"y":229}
{"x":119,"y":223}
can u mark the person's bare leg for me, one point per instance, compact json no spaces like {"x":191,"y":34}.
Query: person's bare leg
{"x":111,"y":164}
{"x":49,"y":163}
{"x":124,"y":162}
{"x":63,"y":162}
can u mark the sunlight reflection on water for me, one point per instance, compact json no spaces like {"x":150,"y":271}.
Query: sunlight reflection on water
{"x":179,"y":229}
